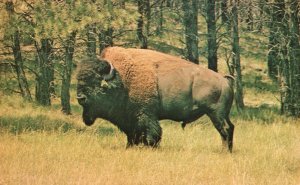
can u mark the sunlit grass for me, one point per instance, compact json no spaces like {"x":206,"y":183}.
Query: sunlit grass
{"x":266,"y":151}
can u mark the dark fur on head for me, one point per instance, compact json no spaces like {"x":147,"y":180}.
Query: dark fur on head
{"x":91,"y":67}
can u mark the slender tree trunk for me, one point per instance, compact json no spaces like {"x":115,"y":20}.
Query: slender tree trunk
{"x":106,"y":35}
{"x":143,"y":40}
{"x":23,"y":84}
{"x":91,"y":40}
{"x":190,"y":10}
{"x":22,"y":80}
{"x":211,"y":36}
{"x":249,"y":19}
{"x":159,"y":11}
{"x":67,"y":72}
{"x":45,"y":72}
{"x":261,"y":6}
{"x":105,"y":39}
{"x":239,"y":99}
{"x":224,"y":11}
{"x":148,"y":16}
{"x":276,"y":44}
{"x":294,"y":59}
{"x":278,"y":55}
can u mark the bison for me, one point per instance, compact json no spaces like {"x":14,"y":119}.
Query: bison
{"x":135,"y":88}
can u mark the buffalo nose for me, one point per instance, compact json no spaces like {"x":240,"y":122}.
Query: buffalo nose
{"x":81,"y":99}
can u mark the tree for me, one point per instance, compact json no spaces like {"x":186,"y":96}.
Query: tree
{"x":224,"y":11}
{"x":67,"y":71}
{"x":249,"y":19}
{"x":190,"y":21}
{"x":45,"y":71}
{"x":18,"y":59}
{"x":91,"y":40}
{"x":142,"y":10}
{"x":211,"y":35}
{"x":276,"y":46}
{"x":239,"y":100}
{"x":290,"y":74}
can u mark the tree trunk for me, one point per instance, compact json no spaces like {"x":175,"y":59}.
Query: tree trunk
{"x":224,"y":11}
{"x":261,"y":7}
{"x":278,"y":55}
{"x":105,"y":39}
{"x":44,"y":76}
{"x":249,"y":19}
{"x":91,"y":40}
{"x":22,"y":80}
{"x":143,"y":40}
{"x":294,"y":53}
{"x":277,"y":29}
{"x":211,"y":36}
{"x":190,"y":20}
{"x":67,"y":72}
{"x":239,"y":100}
{"x":160,"y":15}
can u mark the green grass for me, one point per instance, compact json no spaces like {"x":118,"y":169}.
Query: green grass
{"x":41,"y":146}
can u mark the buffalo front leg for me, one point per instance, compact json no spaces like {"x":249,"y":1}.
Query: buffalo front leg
{"x":150,"y":130}
{"x":134,"y":138}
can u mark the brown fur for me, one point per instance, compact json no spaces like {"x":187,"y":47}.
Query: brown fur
{"x":136,"y":74}
{"x":149,"y":86}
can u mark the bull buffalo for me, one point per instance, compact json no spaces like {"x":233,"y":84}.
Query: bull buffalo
{"x":135,"y":88}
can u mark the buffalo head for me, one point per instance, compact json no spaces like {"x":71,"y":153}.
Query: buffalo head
{"x":94,"y":78}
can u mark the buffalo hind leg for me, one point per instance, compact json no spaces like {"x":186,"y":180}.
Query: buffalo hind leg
{"x":225,"y":130}
{"x":230,"y":131}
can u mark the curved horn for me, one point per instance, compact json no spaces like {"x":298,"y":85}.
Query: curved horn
{"x":111,"y":73}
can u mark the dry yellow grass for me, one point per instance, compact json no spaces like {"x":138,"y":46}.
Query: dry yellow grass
{"x":263,"y":153}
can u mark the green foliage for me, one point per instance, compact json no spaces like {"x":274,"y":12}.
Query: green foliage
{"x":59,"y":19}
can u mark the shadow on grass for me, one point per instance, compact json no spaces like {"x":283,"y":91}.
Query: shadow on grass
{"x":261,"y":114}
{"x":17,"y":125}
{"x":254,"y":81}
{"x":105,"y":131}
{"x":42,"y":123}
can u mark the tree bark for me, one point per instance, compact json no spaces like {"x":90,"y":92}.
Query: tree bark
{"x":239,"y":99}
{"x":190,"y":20}
{"x":294,"y":53}
{"x":249,"y":19}
{"x":261,"y":7}
{"x":160,"y":15}
{"x":105,"y":39}
{"x":19,"y":68}
{"x":67,"y":72}
{"x":91,"y":40}
{"x":224,"y":11}
{"x":143,"y":40}
{"x":277,"y":29}
{"x":211,"y":36}
{"x":44,"y":77}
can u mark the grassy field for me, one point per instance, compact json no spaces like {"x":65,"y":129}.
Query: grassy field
{"x":41,"y":146}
